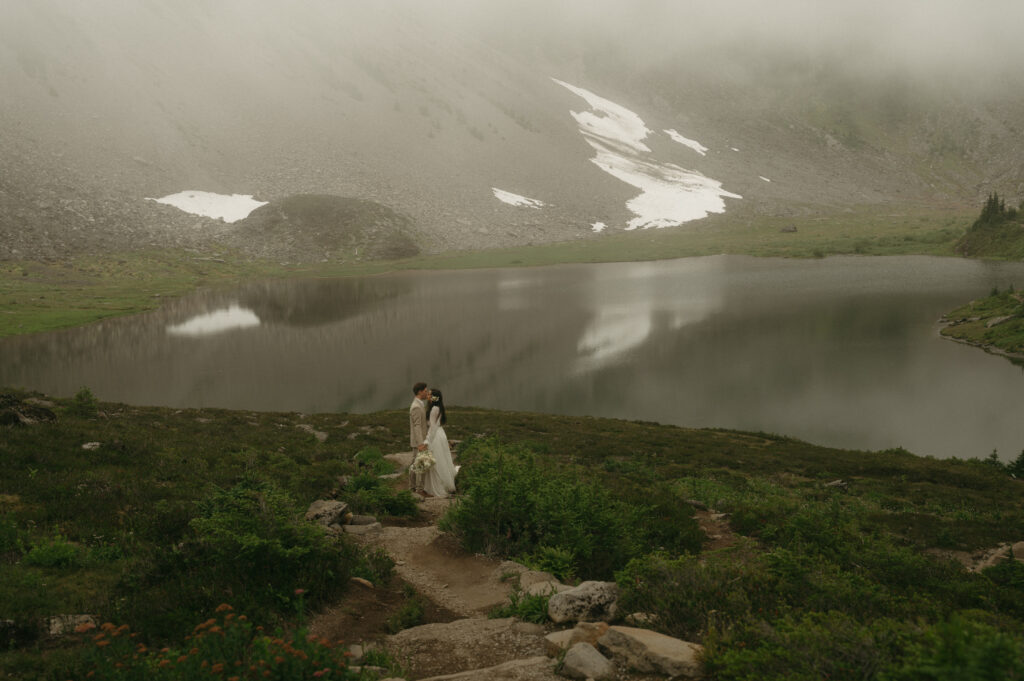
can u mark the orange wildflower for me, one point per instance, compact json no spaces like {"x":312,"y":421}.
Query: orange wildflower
{"x":104,"y":642}
{"x":84,"y":627}
{"x":222,"y":607}
{"x":217,"y":668}
{"x":164,"y":664}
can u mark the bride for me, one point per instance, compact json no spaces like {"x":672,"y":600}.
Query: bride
{"x":440,"y":478}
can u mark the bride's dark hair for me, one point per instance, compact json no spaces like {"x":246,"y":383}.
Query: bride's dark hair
{"x":437,"y":400}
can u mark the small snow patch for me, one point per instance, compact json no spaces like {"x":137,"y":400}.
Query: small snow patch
{"x":686,"y":142}
{"x":764,"y":178}
{"x":598,"y":227}
{"x":516,"y":199}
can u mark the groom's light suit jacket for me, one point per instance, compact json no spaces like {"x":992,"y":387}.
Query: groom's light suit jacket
{"x":417,"y":423}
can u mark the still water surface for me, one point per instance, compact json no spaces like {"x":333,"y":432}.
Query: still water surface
{"x":841,"y":351}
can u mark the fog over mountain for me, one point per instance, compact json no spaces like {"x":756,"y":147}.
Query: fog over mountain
{"x":428,"y":107}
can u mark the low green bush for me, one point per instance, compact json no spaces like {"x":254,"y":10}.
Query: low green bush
{"x":55,"y":553}
{"x":559,"y":562}
{"x":371,"y":461}
{"x":249,"y":544}
{"x":527,"y":607}
{"x":805,"y":647}
{"x":410,"y":614}
{"x":512,"y":506}
{"x":962,"y":647}
{"x":690,"y":594}
{"x":224,"y":646}
{"x":369,"y":494}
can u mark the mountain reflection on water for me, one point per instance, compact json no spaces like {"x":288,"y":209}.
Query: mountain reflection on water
{"x":841,"y":351}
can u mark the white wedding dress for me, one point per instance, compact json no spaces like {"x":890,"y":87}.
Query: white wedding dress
{"x":439,"y":480}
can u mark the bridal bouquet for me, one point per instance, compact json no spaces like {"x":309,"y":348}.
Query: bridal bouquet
{"x":423,"y":462}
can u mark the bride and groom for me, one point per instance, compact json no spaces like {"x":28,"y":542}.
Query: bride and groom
{"x":432,"y":471}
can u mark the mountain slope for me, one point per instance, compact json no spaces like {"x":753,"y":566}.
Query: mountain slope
{"x":424,"y":109}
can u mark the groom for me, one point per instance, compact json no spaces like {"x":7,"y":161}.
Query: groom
{"x":418,"y":430}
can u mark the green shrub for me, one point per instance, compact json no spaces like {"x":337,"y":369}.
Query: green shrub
{"x":512,"y":506}
{"x":26,"y":600}
{"x":374,"y":565}
{"x":807,"y":647}
{"x":410,"y":614}
{"x":11,"y":539}
{"x":556,"y":561}
{"x":962,"y":648}
{"x":529,"y":608}
{"x":369,"y":494}
{"x":688,"y":594}
{"x":84,"y":404}
{"x":372,"y":462}
{"x":248,"y":544}
{"x":56,"y":553}
{"x":224,"y":646}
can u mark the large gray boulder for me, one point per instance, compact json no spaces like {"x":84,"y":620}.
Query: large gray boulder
{"x":583,"y":661}
{"x":327,"y":512}
{"x":590,"y":601}
{"x":650,"y":652}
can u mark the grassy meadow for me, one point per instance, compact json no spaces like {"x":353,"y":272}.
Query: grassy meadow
{"x":177,"y":515}
{"x":42,"y":296}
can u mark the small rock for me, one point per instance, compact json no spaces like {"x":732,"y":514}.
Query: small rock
{"x":62,"y":625}
{"x":318,"y":434}
{"x":641,"y":619}
{"x":362,"y":582}
{"x":362,"y":520}
{"x":326,"y":512}
{"x":1018,"y":550}
{"x":584,"y":662}
{"x":91,"y":446}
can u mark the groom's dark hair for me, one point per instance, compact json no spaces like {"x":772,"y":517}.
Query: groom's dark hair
{"x":417,"y":388}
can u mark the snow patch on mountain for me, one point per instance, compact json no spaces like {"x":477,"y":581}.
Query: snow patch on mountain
{"x":229,"y":208}
{"x":670,"y":195}
{"x":686,"y":142}
{"x":516,"y":199}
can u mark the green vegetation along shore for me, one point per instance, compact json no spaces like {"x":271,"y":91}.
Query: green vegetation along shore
{"x":995,"y":323}
{"x":42,"y":296}
{"x":175,"y":525}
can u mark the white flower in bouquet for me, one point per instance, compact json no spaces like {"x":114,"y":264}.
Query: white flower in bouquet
{"x":423,"y":462}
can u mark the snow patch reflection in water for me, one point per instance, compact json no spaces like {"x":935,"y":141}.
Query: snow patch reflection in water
{"x":670,"y":195}
{"x":620,"y":325}
{"x":229,"y":208}
{"x":219,"y":321}
{"x":516,"y":199}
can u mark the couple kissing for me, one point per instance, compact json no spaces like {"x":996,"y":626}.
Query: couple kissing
{"x":432,"y":472}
